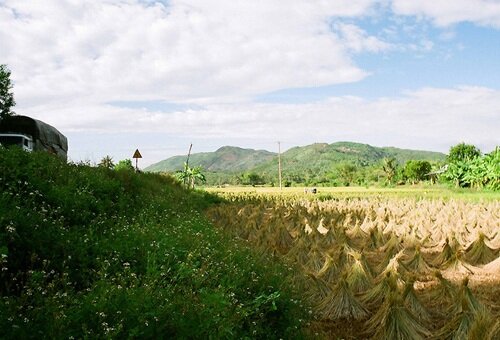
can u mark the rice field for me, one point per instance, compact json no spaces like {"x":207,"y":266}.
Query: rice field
{"x":384,"y":266}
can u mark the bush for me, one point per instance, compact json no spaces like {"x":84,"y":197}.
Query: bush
{"x":416,"y":171}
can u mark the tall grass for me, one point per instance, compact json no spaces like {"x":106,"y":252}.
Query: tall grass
{"x":93,"y":253}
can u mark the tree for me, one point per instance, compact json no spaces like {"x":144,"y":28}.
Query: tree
{"x":252,"y":179}
{"x":107,"y":162}
{"x":390,"y":167}
{"x":463,"y":152}
{"x":417,"y":170}
{"x":346,"y":173}
{"x":478,"y":172}
{"x":6,"y":96}
{"x":125,"y":164}
{"x":465,"y":166}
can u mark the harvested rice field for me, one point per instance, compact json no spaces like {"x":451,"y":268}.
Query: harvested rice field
{"x":381,"y":266}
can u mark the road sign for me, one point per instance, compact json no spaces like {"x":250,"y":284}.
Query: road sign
{"x":137,"y":154}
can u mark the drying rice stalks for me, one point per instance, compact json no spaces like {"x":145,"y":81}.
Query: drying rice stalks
{"x":416,"y":263}
{"x":413,"y":303}
{"x":388,"y":282}
{"x":359,"y":275}
{"x":470,"y":317}
{"x":449,"y":249}
{"x":393,"y":320}
{"x":443,"y":291}
{"x":342,"y":245}
{"x":479,"y":253}
{"x":318,"y":289}
{"x":340,"y":303}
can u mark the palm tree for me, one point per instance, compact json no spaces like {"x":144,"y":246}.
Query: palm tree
{"x":107,"y":162}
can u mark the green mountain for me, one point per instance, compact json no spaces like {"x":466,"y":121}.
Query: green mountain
{"x":225,"y":159}
{"x":322,"y":155}
{"x":314,"y":158}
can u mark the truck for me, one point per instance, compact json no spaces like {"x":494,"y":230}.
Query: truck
{"x":32,"y":135}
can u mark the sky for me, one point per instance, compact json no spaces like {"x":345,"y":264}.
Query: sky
{"x":120,"y":75}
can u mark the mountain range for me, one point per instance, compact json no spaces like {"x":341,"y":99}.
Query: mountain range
{"x":318,"y":157}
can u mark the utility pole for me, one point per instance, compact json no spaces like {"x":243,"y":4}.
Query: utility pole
{"x":187,"y":163}
{"x":189,"y":154}
{"x":279,"y":164}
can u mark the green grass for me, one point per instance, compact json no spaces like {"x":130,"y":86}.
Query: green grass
{"x":94,"y":253}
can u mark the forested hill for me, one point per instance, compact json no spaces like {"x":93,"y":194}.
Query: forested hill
{"x":311,"y":157}
{"x":225,"y":159}
{"x":321,"y":156}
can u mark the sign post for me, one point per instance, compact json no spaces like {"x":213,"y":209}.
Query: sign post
{"x":136,"y":155}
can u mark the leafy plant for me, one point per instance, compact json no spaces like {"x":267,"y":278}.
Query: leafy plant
{"x":189,"y":175}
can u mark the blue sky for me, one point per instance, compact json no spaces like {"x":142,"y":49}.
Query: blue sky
{"x":155,"y":75}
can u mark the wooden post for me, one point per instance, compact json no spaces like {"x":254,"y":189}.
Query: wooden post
{"x":279,"y":164}
{"x":187,"y":163}
{"x":189,"y":154}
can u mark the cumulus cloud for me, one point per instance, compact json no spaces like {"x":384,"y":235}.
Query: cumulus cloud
{"x":69,"y":58}
{"x":429,"y":118}
{"x":446,"y":12}
{"x":357,"y":40}
{"x":188,"y":50}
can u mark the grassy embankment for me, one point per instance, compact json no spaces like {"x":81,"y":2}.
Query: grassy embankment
{"x":94,"y":253}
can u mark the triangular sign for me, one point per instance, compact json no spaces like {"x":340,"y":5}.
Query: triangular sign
{"x":137,"y":154}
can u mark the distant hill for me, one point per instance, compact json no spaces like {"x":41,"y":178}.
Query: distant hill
{"x":225,"y":159}
{"x":321,"y":157}
{"x":315,"y":158}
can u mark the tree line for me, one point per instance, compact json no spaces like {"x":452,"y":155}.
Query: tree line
{"x":465,"y":167}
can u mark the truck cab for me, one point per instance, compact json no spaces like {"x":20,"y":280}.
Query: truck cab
{"x":16,"y":139}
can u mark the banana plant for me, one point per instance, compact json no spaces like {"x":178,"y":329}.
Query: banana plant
{"x":189,"y":175}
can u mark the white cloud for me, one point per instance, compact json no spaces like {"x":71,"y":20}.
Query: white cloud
{"x":186,"y":51}
{"x":357,"y":40}
{"x":70,"y":57}
{"x":447,"y":12}
{"x":430,"y":118}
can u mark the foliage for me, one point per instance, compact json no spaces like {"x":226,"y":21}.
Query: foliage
{"x":462,"y":152}
{"x":389,"y":165}
{"x":478,"y":172}
{"x":311,"y":165}
{"x":6,"y":96}
{"x":189,"y":176}
{"x":252,"y":178}
{"x":107,"y":162}
{"x":92,"y":253}
{"x":416,"y":171}
{"x":124,"y":164}
{"x":345,"y":173}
